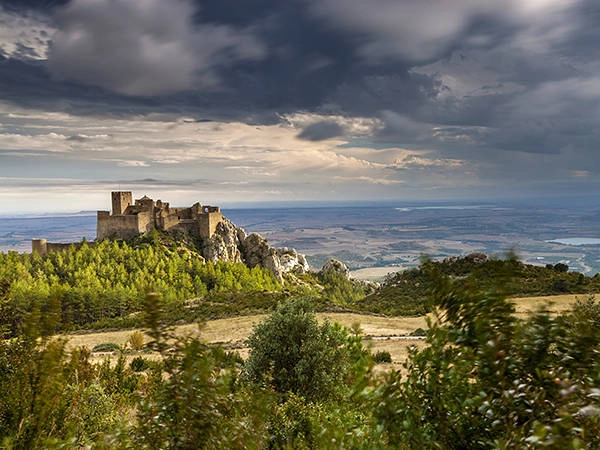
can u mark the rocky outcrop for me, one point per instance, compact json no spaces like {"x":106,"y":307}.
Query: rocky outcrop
{"x":224,"y":244}
{"x":333,"y":265}
{"x":292,"y":261}
{"x":336,"y":266}
{"x":230,"y":243}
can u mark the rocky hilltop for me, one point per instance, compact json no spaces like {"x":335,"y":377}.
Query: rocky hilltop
{"x":220,"y":239}
{"x":231,"y":243}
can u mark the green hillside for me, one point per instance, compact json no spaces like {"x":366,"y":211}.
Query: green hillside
{"x":407,"y":292}
{"x":104,"y":285}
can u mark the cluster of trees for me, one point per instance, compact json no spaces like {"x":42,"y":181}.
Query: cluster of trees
{"x":90,"y":285}
{"x":486,"y":380}
{"x":104,"y":285}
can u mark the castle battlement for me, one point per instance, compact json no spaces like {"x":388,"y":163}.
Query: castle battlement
{"x":129,"y":218}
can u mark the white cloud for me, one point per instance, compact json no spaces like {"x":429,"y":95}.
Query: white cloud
{"x":368,"y":180}
{"x":181,"y":160}
{"x":224,"y":160}
{"x":24,"y":36}
{"x":419,"y":162}
{"x":132,"y":163}
{"x":352,"y":126}
{"x":50,"y":142}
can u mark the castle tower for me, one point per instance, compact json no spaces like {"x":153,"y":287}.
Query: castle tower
{"x":120,"y":201}
{"x":40,"y":246}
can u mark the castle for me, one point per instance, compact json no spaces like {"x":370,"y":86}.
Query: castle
{"x":129,"y":219}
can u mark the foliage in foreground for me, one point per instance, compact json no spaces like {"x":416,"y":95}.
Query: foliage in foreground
{"x":486,"y":380}
{"x":292,"y":353}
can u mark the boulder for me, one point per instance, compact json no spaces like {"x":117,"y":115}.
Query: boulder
{"x":292,"y":261}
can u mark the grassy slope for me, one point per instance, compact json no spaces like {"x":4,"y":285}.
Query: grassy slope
{"x":381,"y":331}
{"x":406,"y":293}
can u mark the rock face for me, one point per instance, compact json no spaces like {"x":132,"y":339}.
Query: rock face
{"x":230,"y":243}
{"x":224,"y":244}
{"x":336,"y":266}
{"x":333,"y":265}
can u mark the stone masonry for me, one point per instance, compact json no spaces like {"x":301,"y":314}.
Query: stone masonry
{"x":128,"y":219}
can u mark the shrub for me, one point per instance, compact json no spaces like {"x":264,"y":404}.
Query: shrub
{"x":488,"y":380}
{"x":419,"y":332}
{"x":136,"y":340}
{"x":382,"y":357}
{"x":138,"y":364}
{"x":291,"y":352}
{"x":107,"y":347}
{"x":198,"y":403}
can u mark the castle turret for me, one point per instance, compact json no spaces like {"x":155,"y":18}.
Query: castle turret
{"x":39,"y":246}
{"x":120,"y":201}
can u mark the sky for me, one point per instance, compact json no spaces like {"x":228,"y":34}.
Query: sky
{"x":234,"y":101}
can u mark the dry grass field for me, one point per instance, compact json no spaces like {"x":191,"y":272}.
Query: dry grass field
{"x":381,"y":333}
{"x":553,"y":303}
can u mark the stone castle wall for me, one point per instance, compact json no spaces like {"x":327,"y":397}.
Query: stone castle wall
{"x":129,"y":219}
{"x":42,"y":247}
{"x":123,"y":226}
{"x":207,"y":223}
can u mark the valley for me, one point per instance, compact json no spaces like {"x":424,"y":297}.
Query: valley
{"x":385,"y":237}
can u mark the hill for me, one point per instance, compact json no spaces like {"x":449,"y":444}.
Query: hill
{"x":406,"y":293}
{"x":104,"y":286}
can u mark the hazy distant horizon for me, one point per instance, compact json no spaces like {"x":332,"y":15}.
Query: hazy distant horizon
{"x":584,"y":200}
{"x":380,"y":234}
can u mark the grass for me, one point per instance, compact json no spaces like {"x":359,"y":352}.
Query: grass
{"x":381,"y":333}
{"x":552,"y":303}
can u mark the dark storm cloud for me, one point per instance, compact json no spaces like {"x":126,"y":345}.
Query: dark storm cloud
{"x":266,"y":58}
{"x":453,"y":76}
{"x":320,"y":131}
{"x":41,"y":5}
{"x":24,"y":51}
{"x":144,"y":48}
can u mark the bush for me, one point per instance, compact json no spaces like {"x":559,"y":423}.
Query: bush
{"x":138,"y":364}
{"x":382,"y":357}
{"x":291,"y":352}
{"x":198,"y":403}
{"x":108,"y":347}
{"x":136,"y":340}
{"x":488,"y":380}
{"x":419,"y":332}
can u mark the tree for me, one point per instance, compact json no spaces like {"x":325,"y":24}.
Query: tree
{"x":561,"y":267}
{"x":293,"y":353}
